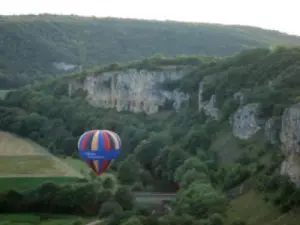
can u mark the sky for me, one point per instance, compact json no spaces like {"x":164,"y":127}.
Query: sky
{"x":276,"y":15}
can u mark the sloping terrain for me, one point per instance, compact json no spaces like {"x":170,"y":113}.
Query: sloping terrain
{"x":33,"y":46}
{"x":251,"y":208}
{"x":3,"y":94}
{"x":24,"y":158}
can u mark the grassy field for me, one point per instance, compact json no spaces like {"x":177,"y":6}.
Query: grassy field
{"x":255,"y":211}
{"x":3,"y":93}
{"x":31,"y":219}
{"x":77,"y":164}
{"x":25,"y":164}
{"x":12,"y":145}
{"x":21,"y":157}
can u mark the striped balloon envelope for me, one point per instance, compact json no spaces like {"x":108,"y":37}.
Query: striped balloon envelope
{"x":99,"y":148}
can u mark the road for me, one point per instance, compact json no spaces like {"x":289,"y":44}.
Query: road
{"x":146,"y":197}
{"x":153,"y":197}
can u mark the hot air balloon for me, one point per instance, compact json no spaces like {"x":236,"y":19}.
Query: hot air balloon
{"x":99,"y":148}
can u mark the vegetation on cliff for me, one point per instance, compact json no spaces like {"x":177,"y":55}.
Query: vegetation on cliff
{"x":29,"y":45}
{"x":169,"y":149}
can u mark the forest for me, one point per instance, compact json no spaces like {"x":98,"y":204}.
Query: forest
{"x":31,"y":46}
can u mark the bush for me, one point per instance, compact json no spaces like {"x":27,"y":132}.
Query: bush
{"x":119,"y":217}
{"x":125,"y":198}
{"x":78,"y":222}
{"x":109,"y":182}
{"x":105,"y":195}
{"x":216,"y":219}
{"x":132,"y":221}
{"x":109,"y":208}
{"x":238,"y":222}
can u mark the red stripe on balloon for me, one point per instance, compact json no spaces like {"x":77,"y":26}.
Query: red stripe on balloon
{"x":106,"y":148}
{"x":85,"y":140}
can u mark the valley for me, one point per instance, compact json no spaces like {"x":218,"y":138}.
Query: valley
{"x":212,"y":129}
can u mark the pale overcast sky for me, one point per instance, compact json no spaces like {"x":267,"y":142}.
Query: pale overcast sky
{"x":276,"y":14}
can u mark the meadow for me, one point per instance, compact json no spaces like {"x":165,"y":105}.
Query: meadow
{"x":43,"y":219}
{"x":3,"y":93}
{"x":252,"y":208}
{"x":25,"y":164}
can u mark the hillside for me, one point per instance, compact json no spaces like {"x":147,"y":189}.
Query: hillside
{"x":218,"y":128}
{"x":34,"y":46}
{"x":21,"y":159}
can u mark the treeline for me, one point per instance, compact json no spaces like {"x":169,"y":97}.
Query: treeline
{"x":90,"y":199}
{"x":31,"y":44}
{"x":86,"y":199}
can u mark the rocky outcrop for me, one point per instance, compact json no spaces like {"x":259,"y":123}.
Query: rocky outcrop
{"x":64,"y":66}
{"x":244,"y":121}
{"x":239,"y":97}
{"x":132,"y":90}
{"x":290,"y":137}
{"x":271,"y":130}
{"x":209,"y":107}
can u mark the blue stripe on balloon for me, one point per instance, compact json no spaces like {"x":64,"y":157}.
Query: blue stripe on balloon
{"x":100,"y":162}
{"x":92,"y":155}
{"x":100,"y":148}
{"x":100,"y":141}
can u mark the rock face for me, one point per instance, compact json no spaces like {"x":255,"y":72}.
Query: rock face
{"x":240,"y":97}
{"x":290,"y":137}
{"x":208,"y":107}
{"x":132,"y":90}
{"x":244,"y":122}
{"x":64,"y":66}
{"x":270,"y":130}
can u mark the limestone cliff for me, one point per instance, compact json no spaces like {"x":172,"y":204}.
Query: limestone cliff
{"x":132,"y":90}
{"x":290,"y":137}
{"x":244,"y":121}
{"x":245,"y":124}
{"x":209,"y":107}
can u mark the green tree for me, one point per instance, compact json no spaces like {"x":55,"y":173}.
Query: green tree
{"x":147,"y":150}
{"x":189,"y":164}
{"x":200,"y":200}
{"x":176,"y":157}
{"x":191,"y":176}
{"x":109,"y":181}
{"x":129,"y":170}
{"x":110,"y":208}
{"x":125,"y":198}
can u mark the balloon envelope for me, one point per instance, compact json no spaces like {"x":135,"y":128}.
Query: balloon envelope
{"x":99,"y":148}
